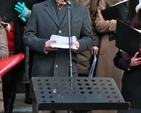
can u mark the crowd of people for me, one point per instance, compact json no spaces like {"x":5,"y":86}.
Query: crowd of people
{"x":35,"y":21}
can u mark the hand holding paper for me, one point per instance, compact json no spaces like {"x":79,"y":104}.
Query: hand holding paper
{"x":63,"y":42}
{"x":135,"y":60}
{"x":48,"y":45}
{"x":125,"y":55}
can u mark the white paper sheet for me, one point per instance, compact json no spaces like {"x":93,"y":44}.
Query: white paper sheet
{"x":62,"y":41}
{"x":119,"y":3}
{"x":91,"y":72}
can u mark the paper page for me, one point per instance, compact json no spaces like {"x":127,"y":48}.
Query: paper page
{"x":122,"y":51}
{"x":62,"y":41}
{"x":91,"y":72}
{"x":137,"y":30}
{"x":119,"y":3}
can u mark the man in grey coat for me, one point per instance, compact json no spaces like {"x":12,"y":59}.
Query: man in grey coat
{"x":47,"y":19}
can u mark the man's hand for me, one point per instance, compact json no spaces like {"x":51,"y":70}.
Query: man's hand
{"x":76,"y":44}
{"x":23,"y":11}
{"x":48,"y":45}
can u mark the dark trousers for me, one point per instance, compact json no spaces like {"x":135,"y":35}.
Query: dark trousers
{"x":9,"y":82}
{"x":9,"y":90}
{"x":31,"y":54}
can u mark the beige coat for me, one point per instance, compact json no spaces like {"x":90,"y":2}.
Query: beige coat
{"x":105,"y":64}
{"x":3,"y":53}
{"x":3,"y":42}
{"x":84,"y":58}
{"x":1,"y":98}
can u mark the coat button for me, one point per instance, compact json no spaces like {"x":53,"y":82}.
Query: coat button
{"x":56,"y":65}
{"x":60,"y":31}
{"x":129,"y":69}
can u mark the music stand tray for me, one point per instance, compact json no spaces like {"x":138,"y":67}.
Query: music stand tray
{"x":78,"y":93}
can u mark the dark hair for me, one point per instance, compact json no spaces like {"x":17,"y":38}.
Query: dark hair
{"x":137,"y":19}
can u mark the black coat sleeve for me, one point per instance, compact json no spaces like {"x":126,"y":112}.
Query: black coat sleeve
{"x":121,"y":63}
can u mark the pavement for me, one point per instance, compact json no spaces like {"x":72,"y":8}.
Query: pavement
{"x":20,"y":106}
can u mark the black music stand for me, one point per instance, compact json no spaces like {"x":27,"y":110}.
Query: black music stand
{"x":78,"y":93}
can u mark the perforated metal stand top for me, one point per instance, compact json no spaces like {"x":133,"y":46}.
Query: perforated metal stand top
{"x":77,"y":93}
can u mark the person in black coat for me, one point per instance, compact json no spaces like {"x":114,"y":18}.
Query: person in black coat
{"x":20,"y":7}
{"x":131,"y":9}
{"x":8,"y":14}
{"x":131,"y":80}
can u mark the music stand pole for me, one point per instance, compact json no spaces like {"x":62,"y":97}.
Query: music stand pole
{"x":69,"y":29}
{"x":69,"y":35}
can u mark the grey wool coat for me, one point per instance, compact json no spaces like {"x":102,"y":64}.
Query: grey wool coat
{"x":43,"y":22}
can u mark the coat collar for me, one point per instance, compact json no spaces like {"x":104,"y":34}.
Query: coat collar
{"x":51,"y":11}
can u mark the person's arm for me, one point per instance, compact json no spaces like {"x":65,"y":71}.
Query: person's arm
{"x":120,"y":62}
{"x":87,"y":37}
{"x":23,"y":11}
{"x":127,"y":65}
{"x":3,"y":42}
{"x":104,"y":26}
{"x":93,"y":10}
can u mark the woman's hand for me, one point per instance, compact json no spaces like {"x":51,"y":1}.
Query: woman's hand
{"x":135,"y":61}
{"x":94,"y":50}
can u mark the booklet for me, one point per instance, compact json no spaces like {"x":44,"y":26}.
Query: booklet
{"x":117,"y":11}
{"x":127,"y":39}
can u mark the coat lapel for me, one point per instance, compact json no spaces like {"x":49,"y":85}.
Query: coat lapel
{"x":72,"y":12}
{"x":51,"y":11}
